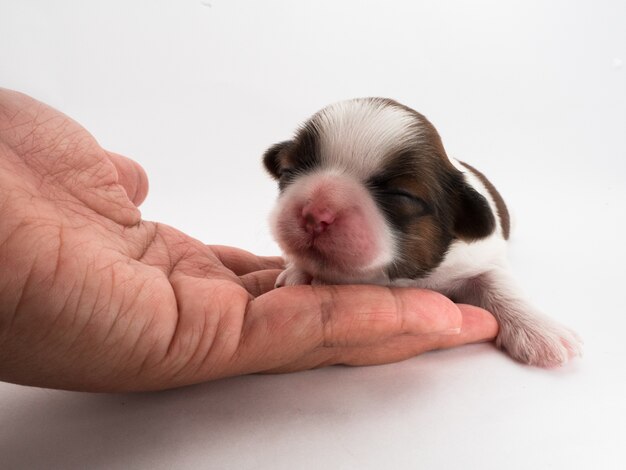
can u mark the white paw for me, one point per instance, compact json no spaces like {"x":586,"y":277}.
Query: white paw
{"x":292,"y":276}
{"x":539,"y":342}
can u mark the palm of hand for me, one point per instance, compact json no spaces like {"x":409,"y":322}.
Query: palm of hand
{"x":136,"y":292}
{"x":104,"y":300}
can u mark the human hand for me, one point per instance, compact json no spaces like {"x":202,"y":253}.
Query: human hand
{"x":94,"y":298}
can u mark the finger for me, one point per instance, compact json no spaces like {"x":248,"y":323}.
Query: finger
{"x":368,"y":315}
{"x":131,"y":176}
{"x":478,"y":326}
{"x":65,"y":156}
{"x":243,"y":262}
{"x":260,"y":282}
{"x":291,"y":323}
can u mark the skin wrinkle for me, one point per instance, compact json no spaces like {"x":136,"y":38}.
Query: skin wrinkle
{"x":250,"y":322}
{"x":191,"y":341}
{"x":180,"y":256}
{"x":212,"y":343}
{"x":129,"y":215}
{"x":237,"y":354}
{"x":123,"y":312}
{"x":158,"y":239}
{"x":229,"y":338}
{"x":326,"y":311}
{"x":399,"y":307}
{"x":253,"y":282}
{"x":62,"y":309}
{"x":5,"y":173}
{"x":28,"y":137}
{"x":207,"y":340}
{"x":220,"y":256}
{"x":175,"y":332}
{"x":50,"y":336}
{"x":4,"y":165}
{"x":246,"y":266}
{"x":151,"y":354}
{"x":49,"y":150}
{"x":21,"y":296}
{"x":71,"y":176}
{"x":57,"y":264}
{"x":163,"y":334}
{"x":131,"y":177}
{"x":322,"y":358}
{"x":150,"y":241}
{"x":66,"y":136}
{"x":61,"y":172}
{"x":79,"y":306}
{"x":21,"y":224}
{"x":5,"y":112}
{"x":157,"y":242}
{"x":206,"y":267}
{"x":139,"y":238}
{"x":129,"y":327}
{"x":116,"y":306}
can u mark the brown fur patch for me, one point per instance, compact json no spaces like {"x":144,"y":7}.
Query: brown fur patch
{"x":503,"y":212}
{"x":412,"y":193}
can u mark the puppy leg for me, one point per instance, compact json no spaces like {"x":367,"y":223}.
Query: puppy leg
{"x":292,"y":276}
{"x":525,"y":333}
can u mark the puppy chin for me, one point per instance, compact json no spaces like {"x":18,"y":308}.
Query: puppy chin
{"x":329,"y":226}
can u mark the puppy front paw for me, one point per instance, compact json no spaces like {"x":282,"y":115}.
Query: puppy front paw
{"x":292,"y":276}
{"x":539,"y":342}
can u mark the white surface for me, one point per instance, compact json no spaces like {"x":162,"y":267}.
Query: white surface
{"x":531,"y":92}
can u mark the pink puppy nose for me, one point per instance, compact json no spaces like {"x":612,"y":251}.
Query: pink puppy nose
{"x":315,"y":220}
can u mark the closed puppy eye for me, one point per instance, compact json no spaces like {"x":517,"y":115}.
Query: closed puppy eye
{"x":402,"y":195}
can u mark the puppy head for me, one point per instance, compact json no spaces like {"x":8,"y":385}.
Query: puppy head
{"x":367,"y":192}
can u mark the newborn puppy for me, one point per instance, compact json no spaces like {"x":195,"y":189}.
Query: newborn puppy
{"x":368,"y":195}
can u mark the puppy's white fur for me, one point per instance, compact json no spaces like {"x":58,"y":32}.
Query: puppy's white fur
{"x":355,"y":138}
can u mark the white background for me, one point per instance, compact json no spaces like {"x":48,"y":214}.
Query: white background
{"x":531,"y":92}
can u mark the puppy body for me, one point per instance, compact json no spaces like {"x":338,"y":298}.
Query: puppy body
{"x":368,"y":195}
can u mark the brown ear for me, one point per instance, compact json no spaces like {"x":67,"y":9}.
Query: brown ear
{"x":473,"y":218}
{"x":274,"y":158}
